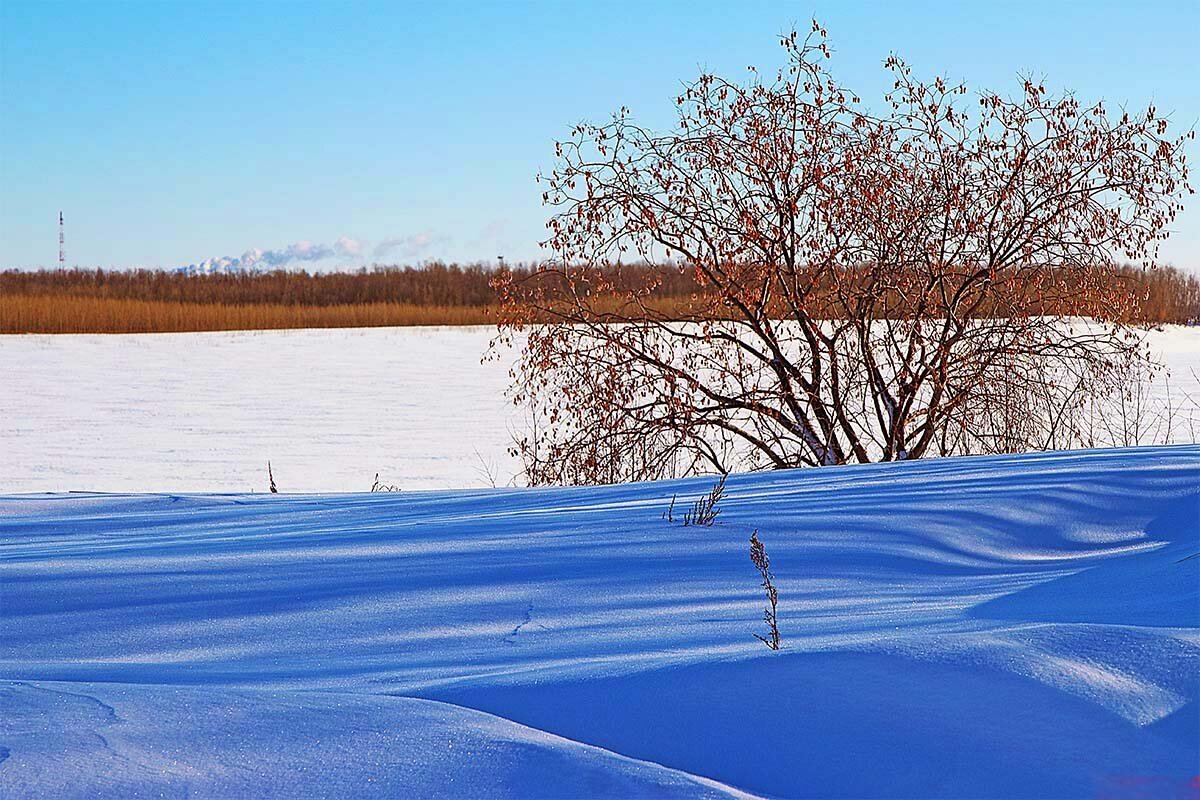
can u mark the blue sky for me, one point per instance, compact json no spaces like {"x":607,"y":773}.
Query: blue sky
{"x":173,"y":132}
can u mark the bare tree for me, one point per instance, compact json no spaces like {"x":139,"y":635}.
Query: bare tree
{"x":936,"y":279}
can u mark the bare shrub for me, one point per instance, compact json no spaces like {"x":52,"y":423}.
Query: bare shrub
{"x":271,"y":478}
{"x":758,"y":555}
{"x":705,"y":510}
{"x":378,"y":486}
{"x":873,"y":287}
{"x":487,"y":469}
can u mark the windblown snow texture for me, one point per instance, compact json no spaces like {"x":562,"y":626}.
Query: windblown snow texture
{"x":1021,"y":626}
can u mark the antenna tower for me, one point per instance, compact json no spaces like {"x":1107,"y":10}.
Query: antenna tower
{"x":62,"y":253}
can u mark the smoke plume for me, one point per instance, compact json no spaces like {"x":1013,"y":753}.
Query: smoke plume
{"x":257,"y":260}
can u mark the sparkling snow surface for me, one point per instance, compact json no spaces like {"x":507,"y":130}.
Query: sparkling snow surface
{"x":1023,"y":626}
{"x":205,"y":412}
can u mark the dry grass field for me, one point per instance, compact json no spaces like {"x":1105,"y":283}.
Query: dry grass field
{"x":71,"y":314}
{"x":145,"y":301}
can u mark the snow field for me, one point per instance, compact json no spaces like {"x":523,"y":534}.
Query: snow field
{"x":1021,"y":626}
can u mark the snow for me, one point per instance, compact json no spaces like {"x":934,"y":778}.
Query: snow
{"x":205,"y":412}
{"x":111,"y":740}
{"x":1019,"y":626}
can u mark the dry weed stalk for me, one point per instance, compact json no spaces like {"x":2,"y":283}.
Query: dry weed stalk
{"x":758,"y":554}
{"x":669,"y":514}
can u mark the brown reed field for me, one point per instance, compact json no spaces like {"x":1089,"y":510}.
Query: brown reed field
{"x":68,"y":314}
{"x":148,"y":301}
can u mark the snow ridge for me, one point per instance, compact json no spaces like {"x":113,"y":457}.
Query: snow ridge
{"x":985,"y":627}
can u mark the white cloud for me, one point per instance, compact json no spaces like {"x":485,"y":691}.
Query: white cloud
{"x":345,"y":246}
{"x":407,"y":246}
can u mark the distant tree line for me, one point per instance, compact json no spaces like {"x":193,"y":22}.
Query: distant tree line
{"x":1165,"y":295}
{"x":100,"y":301}
{"x":435,"y":285}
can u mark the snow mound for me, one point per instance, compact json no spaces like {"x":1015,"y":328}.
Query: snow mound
{"x":1020,"y":626}
{"x":83,"y":740}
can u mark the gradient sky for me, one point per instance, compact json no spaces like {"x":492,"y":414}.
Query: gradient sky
{"x":172,"y":132}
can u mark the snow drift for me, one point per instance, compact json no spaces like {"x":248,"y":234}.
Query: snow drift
{"x":1021,"y":626}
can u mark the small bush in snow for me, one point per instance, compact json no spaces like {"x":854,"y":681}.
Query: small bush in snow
{"x":271,"y":478}
{"x":705,"y":510}
{"x":383,"y":487}
{"x":758,"y":554}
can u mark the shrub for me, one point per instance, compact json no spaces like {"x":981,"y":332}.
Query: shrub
{"x":873,"y":286}
{"x":376,"y":486}
{"x":705,"y":510}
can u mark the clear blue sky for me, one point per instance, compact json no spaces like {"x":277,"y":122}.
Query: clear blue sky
{"x":171,"y":132}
